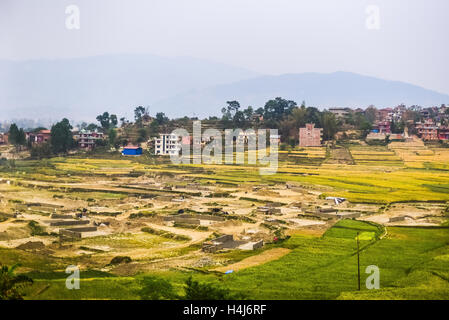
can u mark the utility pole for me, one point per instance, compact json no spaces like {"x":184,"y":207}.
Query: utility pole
{"x":358,"y":260}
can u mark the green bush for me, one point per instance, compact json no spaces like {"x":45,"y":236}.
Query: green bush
{"x":36,"y":229}
{"x":41,"y":151}
{"x":154,"y":288}
{"x":119,"y":260}
{"x":195,"y":290}
{"x":142,"y":214}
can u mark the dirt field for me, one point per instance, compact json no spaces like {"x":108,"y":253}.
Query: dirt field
{"x":122,"y":197}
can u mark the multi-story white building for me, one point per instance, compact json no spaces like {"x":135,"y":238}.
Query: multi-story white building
{"x":166,"y":144}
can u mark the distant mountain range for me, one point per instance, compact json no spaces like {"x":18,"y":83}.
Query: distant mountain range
{"x":82,"y":88}
{"x":339,"y":89}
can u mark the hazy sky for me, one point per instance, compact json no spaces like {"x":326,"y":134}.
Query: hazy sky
{"x":267,"y":36}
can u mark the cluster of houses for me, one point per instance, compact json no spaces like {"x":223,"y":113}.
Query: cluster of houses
{"x":170,"y":144}
{"x":433,"y":126}
{"x":430,"y":128}
{"x":85,"y":139}
{"x":34,"y":138}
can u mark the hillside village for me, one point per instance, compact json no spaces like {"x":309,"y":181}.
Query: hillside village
{"x":223,"y":159}
{"x":106,"y":196}
{"x":298,"y":127}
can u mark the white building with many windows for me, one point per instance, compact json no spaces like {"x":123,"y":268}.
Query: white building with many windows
{"x":166,"y":144}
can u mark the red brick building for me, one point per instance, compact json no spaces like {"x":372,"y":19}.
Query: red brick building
{"x":3,"y":138}
{"x":427,"y":131}
{"x":40,"y":137}
{"x":385,"y":114}
{"x":383,"y":127}
{"x":310,"y":136}
{"x":443,"y":133}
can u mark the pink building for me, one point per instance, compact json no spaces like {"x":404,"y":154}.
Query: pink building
{"x":310,"y":136}
{"x":383,"y":127}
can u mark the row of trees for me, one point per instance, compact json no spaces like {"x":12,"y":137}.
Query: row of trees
{"x":156,"y":288}
{"x":61,"y":139}
{"x":152,"y":288}
{"x":284,"y":115}
{"x":17,"y":136}
{"x":287,"y":117}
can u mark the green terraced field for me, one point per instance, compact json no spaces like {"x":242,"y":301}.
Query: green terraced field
{"x":413,"y":264}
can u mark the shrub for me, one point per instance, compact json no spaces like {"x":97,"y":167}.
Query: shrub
{"x":165,"y":234}
{"x":142,"y":214}
{"x":219,"y":195}
{"x":195,"y":290}
{"x":120,"y":259}
{"x":41,"y":151}
{"x":154,"y":288}
{"x":10,"y":283}
{"x":36,"y":229}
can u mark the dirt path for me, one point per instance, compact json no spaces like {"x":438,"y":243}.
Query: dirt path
{"x":264,"y":257}
{"x":196,"y":236}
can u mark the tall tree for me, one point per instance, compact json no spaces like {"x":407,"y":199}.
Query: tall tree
{"x":113,"y":120}
{"x":161,"y":119}
{"x":329,"y":125}
{"x":276,"y":109}
{"x":61,"y":136}
{"x":371,"y":114}
{"x":112,"y":137}
{"x":230,"y":110}
{"x":107,"y":120}
{"x":92,"y":127}
{"x":248,"y":112}
{"x":298,"y":115}
{"x":16,"y":136}
{"x":313,"y":115}
{"x":13,"y":133}
{"x":139,"y":113}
